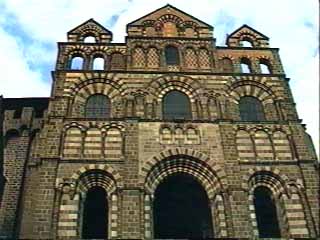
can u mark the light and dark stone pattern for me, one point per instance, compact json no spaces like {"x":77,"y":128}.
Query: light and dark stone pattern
{"x":53,"y":154}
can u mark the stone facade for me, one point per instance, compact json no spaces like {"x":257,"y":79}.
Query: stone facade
{"x":54,"y":154}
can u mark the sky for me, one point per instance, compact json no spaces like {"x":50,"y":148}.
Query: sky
{"x":29,"y":30}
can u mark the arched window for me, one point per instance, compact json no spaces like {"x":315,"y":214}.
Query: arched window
{"x":246,"y":42}
{"x":226,"y":65}
{"x":98,"y":106}
{"x":245,"y":65}
{"x":176,"y":105}
{"x":77,"y":63}
{"x":251,"y":109}
{"x":266,"y":213}
{"x":89,"y":39}
{"x":172,"y":55}
{"x":265,"y":66}
{"x":98,"y":63}
{"x":95,"y":214}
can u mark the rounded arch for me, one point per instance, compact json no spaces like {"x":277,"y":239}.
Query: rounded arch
{"x":265,"y":176}
{"x":160,"y":86}
{"x":249,"y":38}
{"x":181,"y":160}
{"x":11,"y":134}
{"x":81,"y":92}
{"x":91,"y":30}
{"x":251,"y":88}
{"x":89,"y":37}
{"x":97,"y":175}
{"x":96,"y":178}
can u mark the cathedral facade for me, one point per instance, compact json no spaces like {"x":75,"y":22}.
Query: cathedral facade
{"x":164,"y":136}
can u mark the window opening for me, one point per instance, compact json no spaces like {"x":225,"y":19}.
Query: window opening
{"x":176,"y":105}
{"x":266,"y":213}
{"x":172,"y":55}
{"x":98,"y":106}
{"x":77,"y":63}
{"x":98,"y":63}
{"x":251,"y":109}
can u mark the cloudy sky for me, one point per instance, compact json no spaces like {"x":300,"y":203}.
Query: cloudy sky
{"x":29,"y":30}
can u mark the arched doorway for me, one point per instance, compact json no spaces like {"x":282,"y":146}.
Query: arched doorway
{"x":95,"y":214}
{"x":181,"y":209}
{"x":266,"y":213}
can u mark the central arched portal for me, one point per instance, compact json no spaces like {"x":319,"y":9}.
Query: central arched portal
{"x":181,"y":209}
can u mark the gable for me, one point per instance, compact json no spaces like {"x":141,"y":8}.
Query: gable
{"x":169,"y":21}
{"x":92,"y":28}
{"x":165,"y":12}
{"x":246,"y":32}
{"x":245,"y":29}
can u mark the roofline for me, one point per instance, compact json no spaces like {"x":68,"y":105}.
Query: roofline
{"x":89,"y":20}
{"x":177,"y":9}
{"x":26,"y":98}
{"x":247,"y":26}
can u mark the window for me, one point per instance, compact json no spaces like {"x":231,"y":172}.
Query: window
{"x":77,"y":63}
{"x":98,"y":63}
{"x":172,"y":55}
{"x":226,"y":64}
{"x":251,"y":109}
{"x":266,"y":213}
{"x":245,"y":65}
{"x":265,"y":66}
{"x":98,"y":106}
{"x":176,"y":105}
{"x":246,"y":42}
{"x":89,"y":39}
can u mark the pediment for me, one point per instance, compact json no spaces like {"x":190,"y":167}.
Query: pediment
{"x":169,"y":13}
{"x":247,"y":30}
{"x":90,"y":25}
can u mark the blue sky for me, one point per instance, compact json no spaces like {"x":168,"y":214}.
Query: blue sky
{"x":29,"y":30}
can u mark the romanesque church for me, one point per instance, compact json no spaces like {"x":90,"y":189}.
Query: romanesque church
{"x":164,"y":136}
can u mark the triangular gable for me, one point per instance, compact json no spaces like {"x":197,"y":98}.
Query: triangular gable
{"x":245,"y":29}
{"x":90,"y":22}
{"x":169,"y":9}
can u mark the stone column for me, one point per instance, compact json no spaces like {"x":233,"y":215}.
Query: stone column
{"x":147,"y":217}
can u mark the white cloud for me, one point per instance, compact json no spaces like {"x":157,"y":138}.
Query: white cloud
{"x":17,"y":79}
{"x":292,"y":26}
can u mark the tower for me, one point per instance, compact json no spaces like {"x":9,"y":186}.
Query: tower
{"x":164,"y":136}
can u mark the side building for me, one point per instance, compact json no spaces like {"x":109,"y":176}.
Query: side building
{"x":164,"y":136}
